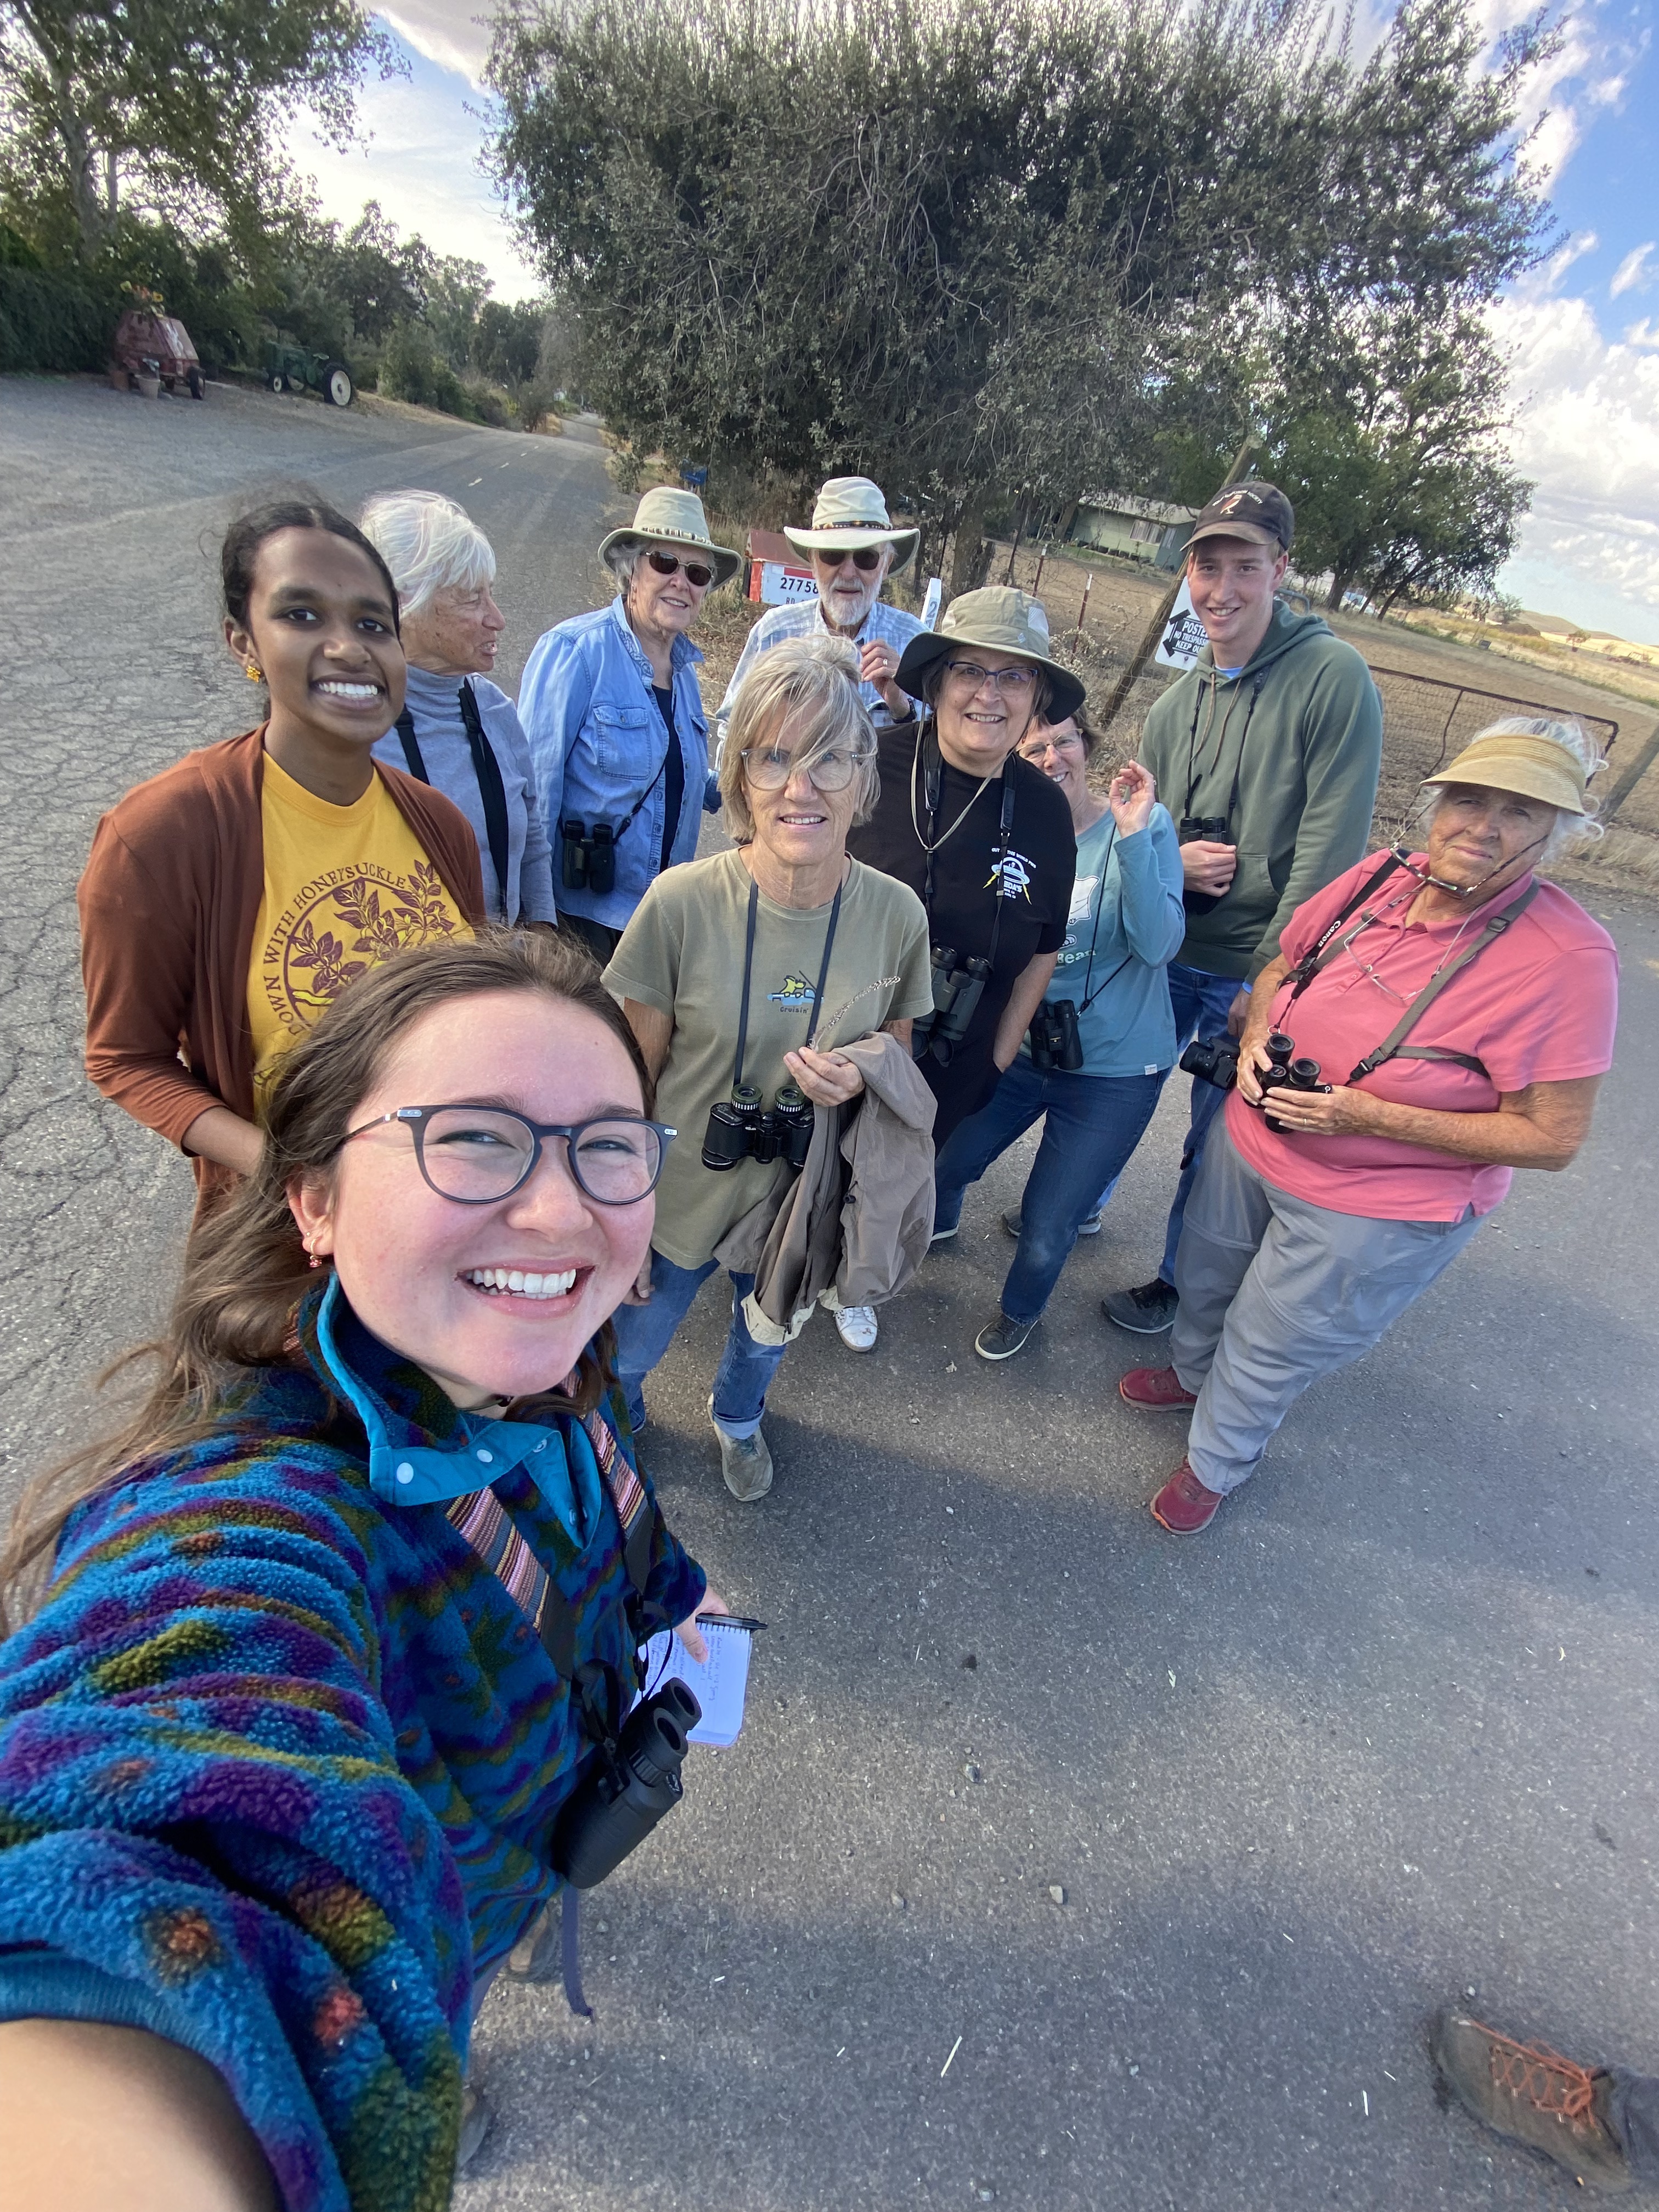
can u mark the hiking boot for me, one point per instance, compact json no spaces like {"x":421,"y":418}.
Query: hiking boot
{"x":1001,"y":1339}
{"x":1089,"y":1226}
{"x":476,"y":2118}
{"x":746,"y":1462}
{"x":535,"y":1957}
{"x":1183,"y":1506}
{"x":856,"y":1328}
{"x":1145,"y":1310}
{"x":1530,"y":2094}
{"x":1155,"y":1390}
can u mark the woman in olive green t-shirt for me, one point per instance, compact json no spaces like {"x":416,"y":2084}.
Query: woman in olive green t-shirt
{"x":815,"y":931}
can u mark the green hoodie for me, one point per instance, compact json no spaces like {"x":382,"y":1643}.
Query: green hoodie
{"x":1289,"y":750}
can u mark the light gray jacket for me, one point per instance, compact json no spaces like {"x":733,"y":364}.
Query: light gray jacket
{"x":852,"y":1227}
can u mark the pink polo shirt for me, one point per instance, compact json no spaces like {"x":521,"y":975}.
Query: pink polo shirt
{"x":1538,"y":1005}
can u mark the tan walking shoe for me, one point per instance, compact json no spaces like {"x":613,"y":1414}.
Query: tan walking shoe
{"x":745,"y":1462}
{"x":1533,"y":2095}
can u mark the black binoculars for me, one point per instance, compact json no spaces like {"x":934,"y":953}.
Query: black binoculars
{"x":1212,"y":1060}
{"x":1054,"y":1039}
{"x":1207,"y":826}
{"x":590,"y":856}
{"x":957,"y":994}
{"x":622,"y":1800}
{"x":738,"y":1130}
{"x":1286,"y":1073}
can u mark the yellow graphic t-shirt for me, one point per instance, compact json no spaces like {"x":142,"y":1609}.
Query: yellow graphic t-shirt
{"x":345,"y":888}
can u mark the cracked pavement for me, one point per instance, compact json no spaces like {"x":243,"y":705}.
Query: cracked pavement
{"x":1382,"y":1736}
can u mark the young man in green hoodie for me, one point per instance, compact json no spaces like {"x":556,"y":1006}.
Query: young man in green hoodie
{"x":1267,"y":755}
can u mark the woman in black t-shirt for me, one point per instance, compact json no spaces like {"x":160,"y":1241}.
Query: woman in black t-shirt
{"x":984,"y":837}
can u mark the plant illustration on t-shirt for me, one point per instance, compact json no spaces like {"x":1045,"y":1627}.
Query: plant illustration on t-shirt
{"x":365,"y":910}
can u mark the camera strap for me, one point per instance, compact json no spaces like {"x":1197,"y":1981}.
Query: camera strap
{"x":492,"y":791}
{"x":1393,"y":1046}
{"x":1195,"y":774}
{"x":749,"y":967}
{"x":1089,"y":996}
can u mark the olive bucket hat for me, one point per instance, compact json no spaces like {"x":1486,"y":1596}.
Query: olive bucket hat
{"x":850,"y":511}
{"x":1001,"y":620}
{"x":667,"y":517}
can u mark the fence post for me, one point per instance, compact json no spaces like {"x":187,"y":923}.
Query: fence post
{"x":1088,"y":587}
{"x":1629,"y":777}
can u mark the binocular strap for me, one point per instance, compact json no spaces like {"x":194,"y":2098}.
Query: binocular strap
{"x":749,"y":970}
{"x":492,"y":791}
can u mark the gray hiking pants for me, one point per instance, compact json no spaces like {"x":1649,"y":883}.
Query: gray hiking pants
{"x":1276,"y":1292}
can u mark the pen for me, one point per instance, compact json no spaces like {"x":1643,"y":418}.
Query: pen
{"x":728,"y":1620}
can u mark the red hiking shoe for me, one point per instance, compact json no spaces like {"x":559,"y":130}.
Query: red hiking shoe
{"x":1155,"y":1390}
{"x":1183,"y":1506}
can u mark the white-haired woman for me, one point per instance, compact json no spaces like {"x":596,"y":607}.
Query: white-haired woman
{"x":724,"y":973}
{"x":457,"y":731}
{"x":615,"y":715}
{"x":1435,"y":1020}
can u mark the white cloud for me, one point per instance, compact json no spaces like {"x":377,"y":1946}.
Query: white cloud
{"x":417,"y":155}
{"x":1629,"y":276}
{"x":1589,"y":435}
{"x":1645,"y":333}
{"x":451,"y":34}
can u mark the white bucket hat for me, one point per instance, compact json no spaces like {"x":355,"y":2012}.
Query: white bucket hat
{"x":850,"y":511}
{"x":667,"y":517}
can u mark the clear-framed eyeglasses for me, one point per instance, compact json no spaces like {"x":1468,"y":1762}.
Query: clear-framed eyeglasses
{"x":969,"y":676}
{"x":478,"y":1154}
{"x":769,"y":768}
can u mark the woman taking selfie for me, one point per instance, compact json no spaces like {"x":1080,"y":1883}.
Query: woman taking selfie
{"x":1101,"y":1042}
{"x":341,"y":1620}
{"x":229,"y":900}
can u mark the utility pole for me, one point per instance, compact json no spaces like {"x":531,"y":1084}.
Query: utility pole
{"x":1148,"y":646}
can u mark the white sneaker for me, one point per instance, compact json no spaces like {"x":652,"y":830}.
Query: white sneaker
{"x":856,"y":1326}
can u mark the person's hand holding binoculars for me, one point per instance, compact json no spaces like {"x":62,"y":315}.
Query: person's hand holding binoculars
{"x":828,"y":1078}
{"x":1208,"y":866}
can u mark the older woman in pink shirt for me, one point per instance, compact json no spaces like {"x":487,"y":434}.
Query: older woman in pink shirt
{"x":1434,"y":1021}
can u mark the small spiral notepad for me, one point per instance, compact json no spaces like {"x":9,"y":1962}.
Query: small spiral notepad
{"x":720,"y":1685}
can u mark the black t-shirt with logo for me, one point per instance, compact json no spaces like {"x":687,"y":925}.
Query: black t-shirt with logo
{"x":1033,"y":879}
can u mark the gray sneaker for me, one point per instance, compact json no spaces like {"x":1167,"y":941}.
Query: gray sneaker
{"x":1089,"y":1226}
{"x":477,"y":2117}
{"x":747,"y":1463}
{"x":1001,"y":1339}
{"x":1147,"y":1311}
{"x":535,"y":1956}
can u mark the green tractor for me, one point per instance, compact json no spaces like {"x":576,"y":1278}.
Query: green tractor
{"x":296,"y":369}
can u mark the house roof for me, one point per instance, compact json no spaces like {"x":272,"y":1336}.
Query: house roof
{"x":1142,"y":510}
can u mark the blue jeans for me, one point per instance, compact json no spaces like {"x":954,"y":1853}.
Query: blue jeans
{"x":1201,"y":1003}
{"x":644,"y":1333}
{"x":1090,"y":1125}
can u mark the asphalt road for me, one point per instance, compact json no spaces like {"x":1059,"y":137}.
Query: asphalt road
{"x":1383,"y":1737}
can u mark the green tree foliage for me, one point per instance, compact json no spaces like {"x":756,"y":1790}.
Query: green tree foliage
{"x":992,"y":249}
{"x":171,"y":102}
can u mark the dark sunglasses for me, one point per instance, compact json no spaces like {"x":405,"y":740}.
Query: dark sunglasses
{"x":696,"y":572}
{"x":867,"y":556}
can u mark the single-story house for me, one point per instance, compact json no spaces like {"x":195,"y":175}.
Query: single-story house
{"x":1141,"y":529}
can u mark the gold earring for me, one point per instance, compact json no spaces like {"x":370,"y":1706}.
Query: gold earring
{"x":254,"y":673}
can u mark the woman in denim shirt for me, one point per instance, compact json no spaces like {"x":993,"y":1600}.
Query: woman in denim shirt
{"x":610,"y":703}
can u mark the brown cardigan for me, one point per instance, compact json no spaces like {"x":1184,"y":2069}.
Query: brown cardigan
{"x":168,"y":904}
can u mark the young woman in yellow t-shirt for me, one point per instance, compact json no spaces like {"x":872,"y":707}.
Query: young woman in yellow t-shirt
{"x":232,"y":898}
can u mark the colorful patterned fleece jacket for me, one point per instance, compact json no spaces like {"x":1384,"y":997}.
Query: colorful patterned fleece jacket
{"x":280,"y":1755}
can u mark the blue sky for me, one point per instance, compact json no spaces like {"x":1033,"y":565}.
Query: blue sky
{"x":1582,"y":330}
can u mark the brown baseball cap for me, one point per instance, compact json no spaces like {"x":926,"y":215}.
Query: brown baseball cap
{"x":1254,"y":510}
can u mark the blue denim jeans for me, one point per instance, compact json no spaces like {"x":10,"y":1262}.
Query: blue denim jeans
{"x":644,"y":1333}
{"x":1201,"y":1003}
{"x":1090,"y":1125}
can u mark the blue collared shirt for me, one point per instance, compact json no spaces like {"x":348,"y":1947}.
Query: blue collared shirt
{"x":435,"y":704}
{"x":888,"y":624}
{"x":598,"y":741}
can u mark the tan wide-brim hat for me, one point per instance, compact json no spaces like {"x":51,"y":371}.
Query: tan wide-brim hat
{"x":1002,"y":620}
{"x":850,"y":511}
{"x":1514,"y":760}
{"x":675,"y":519}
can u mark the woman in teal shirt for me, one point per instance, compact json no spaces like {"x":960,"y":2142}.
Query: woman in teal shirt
{"x":1105,"y":1030}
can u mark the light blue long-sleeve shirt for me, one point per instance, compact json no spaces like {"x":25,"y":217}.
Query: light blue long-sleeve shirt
{"x":1134,"y":885}
{"x":886,"y":624}
{"x":598,"y":741}
{"x":434,"y":705}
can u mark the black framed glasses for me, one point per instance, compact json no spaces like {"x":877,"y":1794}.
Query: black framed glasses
{"x":972,"y":677}
{"x":861,"y":557}
{"x":477,"y":1154}
{"x":696,"y":572}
